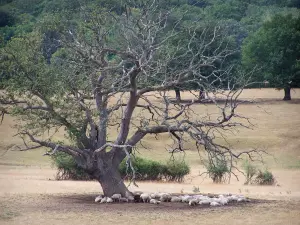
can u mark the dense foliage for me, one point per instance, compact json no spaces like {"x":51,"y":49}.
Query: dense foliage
{"x":152,"y":170}
{"x":146,"y":169}
{"x":275,"y":47}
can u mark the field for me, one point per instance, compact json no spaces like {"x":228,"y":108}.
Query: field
{"x":29,"y":194}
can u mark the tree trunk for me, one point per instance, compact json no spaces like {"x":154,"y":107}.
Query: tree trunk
{"x":111,"y":182}
{"x":287,"y":94}
{"x":177,"y":92}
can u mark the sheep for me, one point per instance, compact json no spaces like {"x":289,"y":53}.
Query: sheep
{"x":154,"y":201}
{"x":116,"y":197}
{"x":176,"y":199}
{"x":145,"y":197}
{"x":186,"y":198}
{"x":137,"y":193}
{"x":103,"y":200}
{"x":124,"y":199}
{"x":109,"y":200}
{"x":241,"y":200}
{"x":165,"y":197}
{"x":98,"y":198}
{"x":205,"y":202}
{"x":193,"y":202}
{"x":155,"y":195}
{"x":214,"y":204}
{"x":131,"y":199}
{"x":137,"y":198}
{"x":232,"y":198}
{"x":223,"y":201}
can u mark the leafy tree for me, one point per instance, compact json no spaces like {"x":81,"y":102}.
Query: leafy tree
{"x":103,"y":79}
{"x":275,"y":48}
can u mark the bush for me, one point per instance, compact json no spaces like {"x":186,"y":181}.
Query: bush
{"x":217,"y":170}
{"x":146,"y":169}
{"x":265,"y":178}
{"x":250,"y":171}
{"x":67,"y":168}
{"x":176,"y":170}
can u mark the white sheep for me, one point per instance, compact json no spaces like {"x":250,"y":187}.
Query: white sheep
{"x":130,"y":199}
{"x":137,"y":193}
{"x":205,"y":202}
{"x":109,"y":200}
{"x":186,"y":198}
{"x":241,"y":200}
{"x":103,"y":200}
{"x":155,"y":195}
{"x":223,"y":201}
{"x":145,"y":197}
{"x":124,"y":199}
{"x":98,"y":198}
{"x":154,"y":201}
{"x":116,"y":197}
{"x":165,"y":197}
{"x":232,"y":198}
{"x":193,"y":202}
{"x":176,"y":199}
{"x":214,"y":204}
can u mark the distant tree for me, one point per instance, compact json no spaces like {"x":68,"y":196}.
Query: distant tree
{"x":275,"y":48}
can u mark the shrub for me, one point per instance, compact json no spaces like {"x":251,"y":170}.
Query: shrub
{"x":250,"y":171}
{"x":67,"y":168}
{"x":146,"y":169}
{"x":265,"y":178}
{"x":217,"y":170}
{"x":176,"y":170}
{"x":196,"y":189}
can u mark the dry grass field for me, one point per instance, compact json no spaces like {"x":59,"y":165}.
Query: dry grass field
{"x":29,"y":194}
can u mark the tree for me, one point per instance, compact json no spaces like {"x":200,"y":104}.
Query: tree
{"x":275,"y":48}
{"x":105,"y":77}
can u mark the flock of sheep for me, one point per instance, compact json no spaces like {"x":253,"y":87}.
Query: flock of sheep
{"x":157,"y":198}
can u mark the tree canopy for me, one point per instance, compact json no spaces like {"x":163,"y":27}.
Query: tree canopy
{"x":275,"y":47}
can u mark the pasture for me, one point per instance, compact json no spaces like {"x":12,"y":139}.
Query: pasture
{"x":29,"y":194}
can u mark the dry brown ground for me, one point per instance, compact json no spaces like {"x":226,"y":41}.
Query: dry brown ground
{"x":30,"y":195}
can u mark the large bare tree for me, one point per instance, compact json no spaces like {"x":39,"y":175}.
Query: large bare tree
{"x":114,"y":72}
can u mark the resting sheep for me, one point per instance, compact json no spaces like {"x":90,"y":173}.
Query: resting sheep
{"x":109,"y":200}
{"x":193,"y":202}
{"x":155,"y":195}
{"x":145,"y":197}
{"x":205,"y":202}
{"x":123,"y":200}
{"x":223,"y":201}
{"x":186,"y":198}
{"x":116,"y":197}
{"x":214,"y":204}
{"x":175,"y":199}
{"x":130,"y":199}
{"x":241,"y":199}
{"x":103,"y":200}
{"x":154,"y":201}
{"x":165,"y":197}
{"x":98,"y":198}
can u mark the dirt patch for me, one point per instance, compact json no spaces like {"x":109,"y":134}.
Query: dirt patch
{"x":87,"y":201}
{"x":81,"y":209}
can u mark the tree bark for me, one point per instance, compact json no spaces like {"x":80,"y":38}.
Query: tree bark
{"x":177,"y":92}
{"x":287,"y":94}
{"x":112,"y":182}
